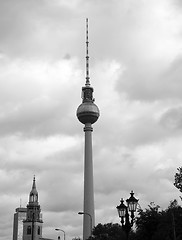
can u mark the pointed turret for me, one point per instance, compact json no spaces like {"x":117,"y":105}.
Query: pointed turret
{"x":32,"y":225}
{"x":33,"y":197}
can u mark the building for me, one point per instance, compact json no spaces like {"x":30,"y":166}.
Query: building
{"x":32,"y":225}
{"x":87,"y":114}
{"x":19,"y":216}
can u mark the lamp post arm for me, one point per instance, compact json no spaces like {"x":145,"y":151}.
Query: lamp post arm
{"x":58,"y":229}
{"x":85,"y":213}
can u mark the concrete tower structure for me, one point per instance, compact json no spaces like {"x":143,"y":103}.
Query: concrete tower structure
{"x":32,"y":225}
{"x":87,"y":114}
{"x":19,"y":216}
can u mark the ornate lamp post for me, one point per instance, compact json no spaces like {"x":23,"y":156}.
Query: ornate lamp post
{"x":124,"y":210}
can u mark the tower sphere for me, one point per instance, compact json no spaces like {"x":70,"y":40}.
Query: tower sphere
{"x":88,"y":112}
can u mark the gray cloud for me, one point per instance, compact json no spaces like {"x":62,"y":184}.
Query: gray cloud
{"x":152,"y":83}
{"x":36,"y":28}
{"x":172,"y":120}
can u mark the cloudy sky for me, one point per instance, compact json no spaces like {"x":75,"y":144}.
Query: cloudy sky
{"x":135,"y":68}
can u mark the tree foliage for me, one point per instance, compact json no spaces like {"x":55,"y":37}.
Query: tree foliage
{"x":152,"y":223}
{"x":147,"y":221}
{"x":108,"y":231}
{"x":178,"y":179}
{"x":155,"y":224}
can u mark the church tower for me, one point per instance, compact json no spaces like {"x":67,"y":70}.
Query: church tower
{"x":32,"y":225}
{"x":87,"y":114}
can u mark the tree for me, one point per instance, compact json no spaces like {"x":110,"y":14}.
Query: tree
{"x":174,"y":212}
{"x":155,"y":224}
{"x":152,"y":223}
{"x":147,"y":222}
{"x":108,"y":231}
{"x":178,"y":180}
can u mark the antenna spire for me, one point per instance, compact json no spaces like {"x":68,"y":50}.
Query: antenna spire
{"x":87,"y":56}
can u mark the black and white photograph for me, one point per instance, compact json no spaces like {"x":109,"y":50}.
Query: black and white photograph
{"x":90,"y":119}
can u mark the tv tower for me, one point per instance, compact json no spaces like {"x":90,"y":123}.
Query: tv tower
{"x":88,"y":113}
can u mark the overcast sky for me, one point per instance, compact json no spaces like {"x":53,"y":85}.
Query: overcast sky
{"x":135,"y":68}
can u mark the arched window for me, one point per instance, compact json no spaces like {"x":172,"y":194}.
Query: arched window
{"x":36,"y":198}
{"x":31,"y":198}
{"x":28,"y":230}
{"x":38,"y":230}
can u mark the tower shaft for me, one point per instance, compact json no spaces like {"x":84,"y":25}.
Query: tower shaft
{"x":89,"y":216}
{"x":88,"y":113}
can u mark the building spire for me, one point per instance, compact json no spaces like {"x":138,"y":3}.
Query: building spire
{"x":33,"y":197}
{"x":33,"y":185}
{"x":87,"y":56}
{"x":32,"y":225}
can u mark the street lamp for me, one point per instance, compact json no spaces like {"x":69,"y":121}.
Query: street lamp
{"x":58,"y":229}
{"x":123,"y":212}
{"x":84,"y":213}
